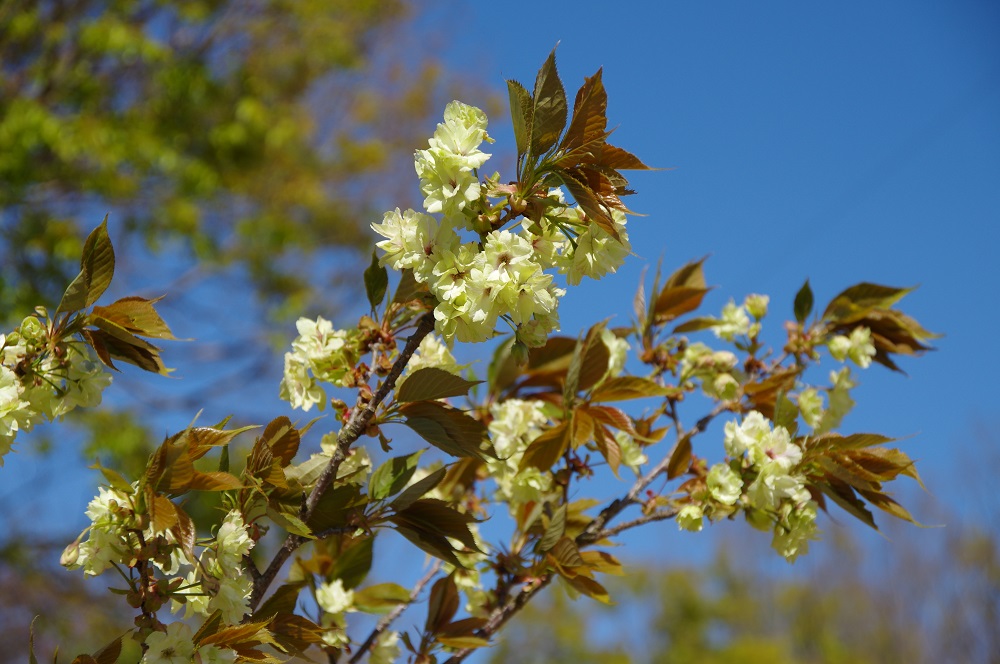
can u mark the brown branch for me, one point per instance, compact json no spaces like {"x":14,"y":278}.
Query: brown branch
{"x":594,"y":532}
{"x":615,"y":507}
{"x":356,"y":425}
{"x":389,"y":618}
{"x":649,"y":518}
{"x":502,"y":614}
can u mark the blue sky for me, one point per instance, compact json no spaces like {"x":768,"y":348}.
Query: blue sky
{"x":842,"y":142}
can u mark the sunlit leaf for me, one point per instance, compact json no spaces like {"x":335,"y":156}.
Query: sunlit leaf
{"x":432,"y":383}
{"x":549,"y":103}
{"x":547,"y":448}
{"x":381,"y":597}
{"x":621,"y":388}
{"x":419,"y":488}
{"x":390,"y":478}
{"x":447,"y":428}
{"x":97,"y":267}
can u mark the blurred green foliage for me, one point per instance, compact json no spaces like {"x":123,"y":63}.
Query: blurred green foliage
{"x":251,"y":133}
{"x":938,"y":603}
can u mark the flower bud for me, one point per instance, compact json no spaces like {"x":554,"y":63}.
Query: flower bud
{"x":70,"y":554}
{"x":519,"y":353}
{"x":756,"y":305}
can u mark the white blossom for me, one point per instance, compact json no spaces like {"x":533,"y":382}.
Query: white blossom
{"x":690,"y":518}
{"x":858,"y":347}
{"x":734,"y":322}
{"x":171,"y":647}
{"x":724,"y":485}
{"x":333,"y":598}
{"x":386,"y":648}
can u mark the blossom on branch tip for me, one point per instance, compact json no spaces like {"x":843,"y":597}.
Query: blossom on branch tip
{"x":596,"y":252}
{"x":858,"y":347}
{"x":734,"y":322}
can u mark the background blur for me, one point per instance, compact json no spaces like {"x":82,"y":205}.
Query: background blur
{"x":243,"y":147}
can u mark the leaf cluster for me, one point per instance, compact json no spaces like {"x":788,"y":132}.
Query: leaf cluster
{"x":577,"y":155}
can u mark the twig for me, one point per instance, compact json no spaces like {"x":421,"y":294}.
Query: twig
{"x":389,"y":618}
{"x":595,"y":531}
{"x":358,"y":424}
{"x":613,"y":509}
{"x":501,"y":615}
{"x":649,"y":518}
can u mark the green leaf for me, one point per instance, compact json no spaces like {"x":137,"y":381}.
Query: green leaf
{"x":549,"y":107}
{"x":554,"y":531}
{"x":290,"y":522}
{"x":97,"y":267}
{"x":214,"y":481}
{"x":390,"y":478}
{"x":589,"y":363}
{"x":282,"y":600}
{"x":418,"y":489}
{"x":521,"y":115}
{"x":861,"y":298}
{"x":803,"y":303}
{"x":432,"y":383}
{"x":376,"y":282}
{"x":695,"y":325}
{"x":109,"y":653}
{"x":353,"y":564}
{"x":786,"y":413}
{"x":621,"y":388}
{"x":335,"y":506}
{"x":429,"y":523}
{"x":447,"y":428}
{"x":587,"y":586}
{"x":545,"y":450}
{"x":381,"y":597}
{"x":115,"y":480}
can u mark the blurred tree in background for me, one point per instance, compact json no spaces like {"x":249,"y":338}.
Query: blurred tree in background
{"x":938,"y":604}
{"x":251,"y":133}
{"x":249,"y":139}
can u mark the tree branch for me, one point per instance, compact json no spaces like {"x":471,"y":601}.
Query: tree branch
{"x":649,"y":518}
{"x":613,"y":509}
{"x":362,"y":416}
{"x":594,"y":532}
{"x":387,"y":620}
{"x":502,"y":614}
